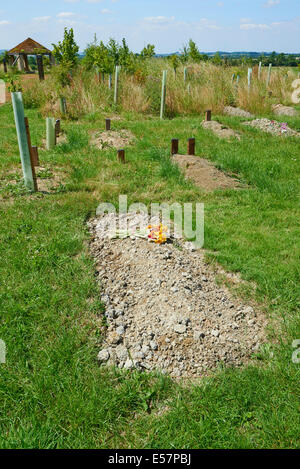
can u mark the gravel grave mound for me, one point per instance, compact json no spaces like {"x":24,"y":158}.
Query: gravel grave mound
{"x":236,"y":111}
{"x":273,"y":127}
{"x":164,"y":309}
{"x":220,"y":130}
{"x":281,"y":110}
{"x":204,"y":174}
{"x":112,"y":138}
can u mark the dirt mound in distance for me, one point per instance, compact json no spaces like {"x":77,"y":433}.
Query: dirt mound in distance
{"x":220,"y":130}
{"x":236,"y":111}
{"x":112,"y":139}
{"x":204,"y":174}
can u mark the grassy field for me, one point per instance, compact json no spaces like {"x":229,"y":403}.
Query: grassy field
{"x":52,"y":392}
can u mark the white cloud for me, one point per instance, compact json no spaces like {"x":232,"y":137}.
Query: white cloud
{"x":245,"y":20}
{"x":159,"y":19}
{"x":249,"y":26}
{"x":105,"y":11}
{"x":271,"y":3}
{"x":42,"y":18}
{"x":4,"y":22}
{"x":67,"y":22}
{"x":65,"y":14}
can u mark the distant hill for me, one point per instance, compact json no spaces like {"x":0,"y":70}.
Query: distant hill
{"x":233,"y":55}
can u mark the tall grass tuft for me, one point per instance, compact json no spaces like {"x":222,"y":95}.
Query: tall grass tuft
{"x":207,"y":87}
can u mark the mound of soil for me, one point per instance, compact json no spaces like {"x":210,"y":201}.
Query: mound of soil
{"x":236,"y":111}
{"x":204,"y":174}
{"x":273,"y":127}
{"x":164,"y":310}
{"x":220,"y":130}
{"x":281,"y":110}
{"x":116,"y":139}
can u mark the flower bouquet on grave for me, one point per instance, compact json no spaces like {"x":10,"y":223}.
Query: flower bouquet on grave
{"x":158,"y":234}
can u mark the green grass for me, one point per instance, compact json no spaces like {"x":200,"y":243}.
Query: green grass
{"x":52,"y":392}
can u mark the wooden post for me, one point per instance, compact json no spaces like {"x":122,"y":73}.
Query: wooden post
{"x":57,"y":128}
{"x":50,"y":133}
{"x":18,"y":108}
{"x":191,"y":146}
{"x":63,"y":105}
{"x":32,"y":159}
{"x":121,"y":156}
{"x":208,"y":115}
{"x":40,"y":66}
{"x":259,"y":70}
{"x":2,"y":92}
{"x":269,"y":74}
{"x":5,"y":66}
{"x":116,"y":84}
{"x":35,"y":156}
{"x":174,"y":146}
{"x":107,"y":124}
{"x":163,"y":94}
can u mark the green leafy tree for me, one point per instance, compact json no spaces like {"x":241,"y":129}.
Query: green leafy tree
{"x":184,"y":54}
{"x":66,"y":51}
{"x":114,"y":51}
{"x":148,"y":52}
{"x":174,"y":60}
{"x":193,"y":51}
{"x":217,"y":59}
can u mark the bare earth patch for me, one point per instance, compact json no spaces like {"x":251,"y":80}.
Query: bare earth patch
{"x":220,"y":130}
{"x":48,"y":180}
{"x":112,"y":138}
{"x":204,"y":174}
{"x":59,"y":140}
{"x":273,"y":127}
{"x":281,"y":110}
{"x":236,"y":111}
{"x":165,"y":311}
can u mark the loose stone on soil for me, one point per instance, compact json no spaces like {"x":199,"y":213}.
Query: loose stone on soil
{"x":165,"y":312}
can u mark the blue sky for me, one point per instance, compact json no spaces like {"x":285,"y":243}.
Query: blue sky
{"x":231,"y":25}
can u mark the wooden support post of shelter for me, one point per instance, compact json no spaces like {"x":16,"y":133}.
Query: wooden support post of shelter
{"x":40,"y":67}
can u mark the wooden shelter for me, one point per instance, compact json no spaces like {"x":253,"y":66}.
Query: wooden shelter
{"x":19,"y":54}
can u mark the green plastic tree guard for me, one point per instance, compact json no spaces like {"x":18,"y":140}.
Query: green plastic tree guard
{"x":18,"y":107}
